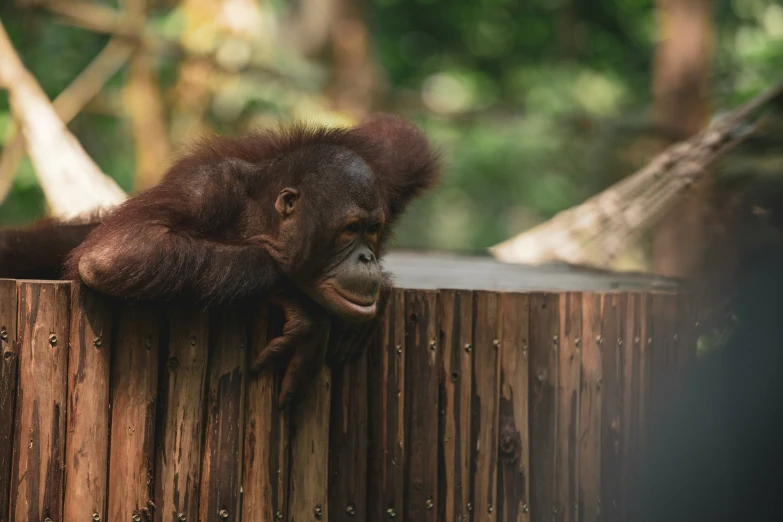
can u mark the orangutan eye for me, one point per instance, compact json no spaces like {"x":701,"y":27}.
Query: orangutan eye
{"x":353,"y":228}
{"x":374,"y":229}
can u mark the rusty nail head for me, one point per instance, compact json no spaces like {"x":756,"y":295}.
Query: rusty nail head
{"x":3,"y":334}
{"x":136,"y":518}
{"x":98,"y":342}
{"x":351,"y":509}
{"x":182,"y":517}
{"x":391,"y":512}
{"x":223,"y":514}
{"x":430,"y":503}
{"x":279,"y":515}
{"x":52,"y":339}
{"x":318,"y":511}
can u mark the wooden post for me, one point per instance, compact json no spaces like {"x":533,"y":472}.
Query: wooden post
{"x":134,"y":383}
{"x":89,"y":370}
{"x":421,"y":403}
{"x":513,"y":435}
{"x":568,"y":388}
{"x":613,"y":328}
{"x":455,"y":310}
{"x":266,"y":455}
{"x":590,"y":409}
{"x":39,"y":440}
{"x":9,"y":367}
{"x":484,"y":405}
{"x":178,"y":459}
{"x":348,"y":443}
{"x":544,"y":332}
{"x":310,"y":452}
{"x":221,"y":466}
{"x":386,"y":434}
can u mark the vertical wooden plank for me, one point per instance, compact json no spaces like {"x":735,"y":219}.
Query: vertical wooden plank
{"x":640,"y":346}
{"x":421,"y":403}
{"x":386,"y":433}
{"x":266,"y":467}
{"x":659,"y":344}
{"x":221,"y":468}
{"x":630,"y":393}
{"x":455,"y":312}
{"x":39,"y":438}
{"x":8,"y":381}
{"x":590,"y":409}
{"x":89,"y":371}
{"x":568,"y":387}
{"x":348,"y":443}
{"x":613,"y":328}
{"x":513,"y":446}
{"x":544,"y":329}
{"x":134,"y":379}
{"x":310,"y":452}
{"x":484,"y":406}
{"x":178,"y":464}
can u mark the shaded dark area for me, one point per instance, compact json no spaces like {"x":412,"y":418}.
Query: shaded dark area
{"x":714,"y":443}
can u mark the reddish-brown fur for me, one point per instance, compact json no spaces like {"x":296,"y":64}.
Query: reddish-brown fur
{"x":210,"y":232}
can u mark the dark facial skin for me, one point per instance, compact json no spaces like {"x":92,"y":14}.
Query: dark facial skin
{"x":298,"y":216}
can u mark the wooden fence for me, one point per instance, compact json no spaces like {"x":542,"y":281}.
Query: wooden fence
{"x":475,"y":406}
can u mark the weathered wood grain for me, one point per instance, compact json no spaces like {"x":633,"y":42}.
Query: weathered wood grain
{"x":568,"y":388}
{"x":630,"y":392}
{"x":348,"y":442}
{"x":386,"y":433}
{"x":183,"y":381}
{"x":134,"y":379}
{"x":421,"y":404}
{"x":590,"y":409}
{"x":484,"y":405}
{"x":39,"y":438}
{"x":455,"y":312}
{"x":89,"y":372}
{"x":544,"y":332}
{"x":310,"y":452}
{"x":221,"y":465}
{"x":265,"y":462}
{"x":513,"y":441}
{"x":8,"y":379}
{"x":613,"y":328}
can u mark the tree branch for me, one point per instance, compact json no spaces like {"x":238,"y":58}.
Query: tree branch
{"x":73,"y":184}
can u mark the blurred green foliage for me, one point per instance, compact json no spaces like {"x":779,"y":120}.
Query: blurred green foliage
{"x":535,"y":104}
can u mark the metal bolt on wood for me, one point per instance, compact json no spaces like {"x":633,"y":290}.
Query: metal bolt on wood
{"x":47,"y":519}
{"x":53,"y":339}
{"x":391,"y":513}
{"x":555,"y":338}
{"x":3,"y":334}
{"x":649,"y":340}
{"x":599,"y":339}
{"x":577,"y":341}
{"x":468,"y":347}
{"x":430,"y":503}
{"x":318,"y":512}
{"x":399,"y":348}
{"x":223,"y":514}
{"x":136,"y":518}
{"x":525,"y":508}
{"x":351,"y":509}
{"x":433,"y":345}
{"x":619,"y":341}
{"x":97,"y":342}
{"x":182,"y":517}
{"x":96,"y":517}
{"x":279,"y":515}
{"x":470,"y":506}
{"x":489,"y":509}
{"x":496,"y":343}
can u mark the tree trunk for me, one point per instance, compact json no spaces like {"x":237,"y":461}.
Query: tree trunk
{"x":680,"y":109}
